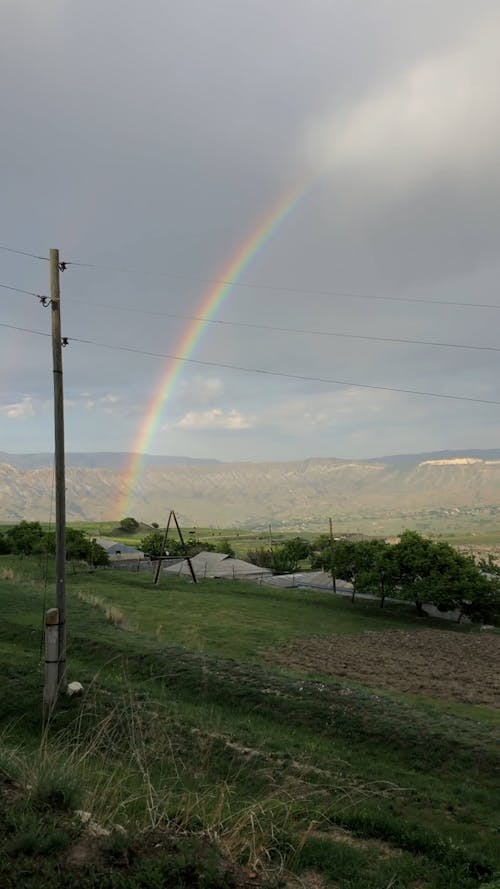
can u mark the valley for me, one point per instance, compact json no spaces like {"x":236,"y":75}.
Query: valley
{"x":450,"y":494}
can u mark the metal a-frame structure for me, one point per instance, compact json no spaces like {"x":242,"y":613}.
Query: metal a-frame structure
{"x":172,"y":517}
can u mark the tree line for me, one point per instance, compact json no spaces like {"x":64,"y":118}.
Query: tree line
{"x":29,"y":538}
{"x":415,"y":569}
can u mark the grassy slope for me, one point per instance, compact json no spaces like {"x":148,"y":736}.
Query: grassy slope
{"x":237,"y":620}
{"x":191,"y":655}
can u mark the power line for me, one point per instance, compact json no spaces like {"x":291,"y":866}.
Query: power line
{"x":275,"y":373}
{"x":20,"y":290}
{"x":279,"y":288}
{"x":259,"y":286}
{"x":257,"y":370}
{"x":24,"y":329}
{"x":23,"y":253}
{"x":279,"y":329}
{"x":272,"y":327}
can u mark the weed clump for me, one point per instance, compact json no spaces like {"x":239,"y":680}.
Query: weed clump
{"x":112,"y":614}
{"x":7,"y":574}
{"x":57,"y":791}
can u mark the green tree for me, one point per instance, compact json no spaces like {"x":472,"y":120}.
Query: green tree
{"x":152,"y":544}
{"x":175,"y":547}
{"x":481,"y":601}
{"x":25,"y":538}
{"x":129,"y":525}
{"x":320,"y":550}
{"x":414,"y":557}
{"x":297,"y":549}
{"x":281,"y":561}
{"x":261,"y":556}
{"x":97,"y":554}
{"x":225,"y":547}
{"x":434,"y":572}
{"x":348,"y":561}
{"x":193,"y":546}
{"x":379,"y":574}
{"x":285,"y":559}
{"x":456,"y":582}
{"x":79,"y":547}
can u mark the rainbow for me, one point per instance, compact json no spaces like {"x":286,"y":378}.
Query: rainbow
{"x":206,"y":309}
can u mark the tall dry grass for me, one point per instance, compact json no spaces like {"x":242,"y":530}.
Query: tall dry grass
{"x":130,"y":764}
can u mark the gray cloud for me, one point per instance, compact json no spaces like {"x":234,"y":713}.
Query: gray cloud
{"x":156,"y":136}
{"x":439,"y":119}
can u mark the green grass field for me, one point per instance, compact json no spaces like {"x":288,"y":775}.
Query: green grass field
{"x":208,"y":766}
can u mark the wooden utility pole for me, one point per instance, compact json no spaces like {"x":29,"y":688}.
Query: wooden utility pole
{"x":60,"y":480}
{"x":51,"y":687}
{"x":334,"y":581}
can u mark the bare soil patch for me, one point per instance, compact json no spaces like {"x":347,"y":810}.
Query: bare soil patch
{"x":434,"y":663}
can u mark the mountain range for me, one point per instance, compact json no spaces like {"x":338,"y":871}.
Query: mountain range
{"x":431,"y":491}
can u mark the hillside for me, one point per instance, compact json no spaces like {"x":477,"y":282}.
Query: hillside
{"x":230,"y":736}
{"x":118,"y":460}
{"x":428,"y":491}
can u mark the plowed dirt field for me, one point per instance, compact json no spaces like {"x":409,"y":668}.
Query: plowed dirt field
{"x":437,"y":664}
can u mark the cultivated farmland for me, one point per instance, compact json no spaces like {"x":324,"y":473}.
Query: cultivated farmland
{"x":431,"y":663}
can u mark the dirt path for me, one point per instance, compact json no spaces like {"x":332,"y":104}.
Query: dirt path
{"x":434,"y":663}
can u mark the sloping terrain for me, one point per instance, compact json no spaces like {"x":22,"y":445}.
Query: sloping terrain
{"x":188,"y":762}
{"x":363,"y":495}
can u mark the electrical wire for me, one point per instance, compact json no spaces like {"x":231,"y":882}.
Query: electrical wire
{"x":25,"y":329}
{"x":271,"y":327}
{"x":20,"y":290}
{"x":279,"y":329}
{"x":279,"y":288}
{"x":259,"y":286}
{"x":255,"y":370}
{"x":275,"y":373}
{"x":23,"y":253}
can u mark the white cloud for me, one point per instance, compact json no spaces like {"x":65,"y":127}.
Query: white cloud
{"x":19,"y":410}
{"x":215,"y":418}
{"x":441,"y":115}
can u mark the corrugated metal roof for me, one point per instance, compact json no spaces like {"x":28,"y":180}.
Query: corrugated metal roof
{"x":114,"y":546}
{"x":213,"y":565}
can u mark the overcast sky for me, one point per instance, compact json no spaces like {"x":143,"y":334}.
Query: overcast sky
{"x":155,"y":137}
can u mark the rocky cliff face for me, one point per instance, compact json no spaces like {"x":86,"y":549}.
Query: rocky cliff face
{"x":300,"y":493}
